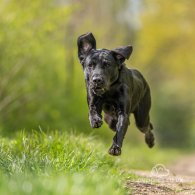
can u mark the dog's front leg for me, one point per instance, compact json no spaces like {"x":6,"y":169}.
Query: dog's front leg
{"x":95,"y":109}
{"x":121,"y":127}
{"x":95,"y":117}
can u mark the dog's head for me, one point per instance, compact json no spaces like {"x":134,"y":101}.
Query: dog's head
{"x":101,"y":66}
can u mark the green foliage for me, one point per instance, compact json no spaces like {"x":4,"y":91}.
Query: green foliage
{"x":56,"y":162}
{"x":31,"y":48}
{"x":174,"y":133}
{"x":41,"y":80}
{"x":69,"y":163}
{"x":165,"y":53}
{"x":40,"y":152}
{"x":70,"y":184}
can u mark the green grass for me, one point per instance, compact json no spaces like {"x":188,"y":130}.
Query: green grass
{"x":65,"y":163}
{"x":56,"y":163}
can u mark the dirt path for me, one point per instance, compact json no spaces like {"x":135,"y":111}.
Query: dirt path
{"x":178,"y":178}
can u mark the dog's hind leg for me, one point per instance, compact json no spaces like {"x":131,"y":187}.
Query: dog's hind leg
{"x":142,"y":119}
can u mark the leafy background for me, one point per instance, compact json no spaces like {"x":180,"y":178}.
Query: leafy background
{"x":41,"y":80}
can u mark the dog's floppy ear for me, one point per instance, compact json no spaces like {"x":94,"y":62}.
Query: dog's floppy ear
{"x":85,"y":43}
{"x":122,"y":53}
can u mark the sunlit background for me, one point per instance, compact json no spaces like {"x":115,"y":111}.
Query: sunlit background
{"x":41,"y":80}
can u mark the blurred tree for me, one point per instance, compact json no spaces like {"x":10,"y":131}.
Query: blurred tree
{"x":166,"y":43}
{"x":31,"y":62}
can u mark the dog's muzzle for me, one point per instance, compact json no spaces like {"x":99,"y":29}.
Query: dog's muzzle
{"x":98,"y":81}
{"x":98,"y":85}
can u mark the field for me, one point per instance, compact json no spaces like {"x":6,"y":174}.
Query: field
{"x":68,"y":163}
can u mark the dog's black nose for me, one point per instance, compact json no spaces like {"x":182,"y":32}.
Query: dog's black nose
{"x":98,"y":80}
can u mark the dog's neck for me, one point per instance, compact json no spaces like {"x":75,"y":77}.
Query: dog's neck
{"x":118,"y":77}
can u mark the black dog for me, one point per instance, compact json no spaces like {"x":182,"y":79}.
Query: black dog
{"x":115,"y":89}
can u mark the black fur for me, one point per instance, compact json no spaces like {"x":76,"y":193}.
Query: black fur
{"x":114,"y":89}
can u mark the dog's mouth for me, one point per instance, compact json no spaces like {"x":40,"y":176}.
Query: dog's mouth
{"x":99,"y":90}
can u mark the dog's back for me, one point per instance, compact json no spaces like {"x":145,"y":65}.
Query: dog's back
{"x":136,"y":83}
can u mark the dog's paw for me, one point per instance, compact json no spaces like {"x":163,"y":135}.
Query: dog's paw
{"x":114,"y":150}
{"x":149,"y":139}
{"x":95,"y":121}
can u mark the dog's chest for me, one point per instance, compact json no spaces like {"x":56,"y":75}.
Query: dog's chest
{"x":110,"y":106}
{"x":111,"y":101}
